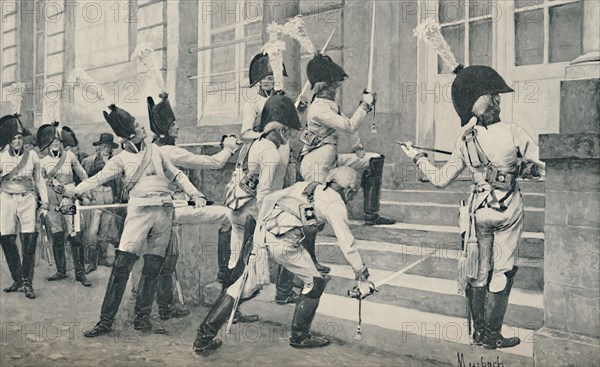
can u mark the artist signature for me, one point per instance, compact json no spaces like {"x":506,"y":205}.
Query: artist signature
{"x":479,"y":363}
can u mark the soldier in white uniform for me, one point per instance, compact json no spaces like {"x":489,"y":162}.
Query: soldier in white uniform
{"x":21,"y":175}
{"x":58,"y":168}
{"x":262,"y":173}
{"x":164,"y":125}
{"x":148,"y":176}
{"x":491,"y":150}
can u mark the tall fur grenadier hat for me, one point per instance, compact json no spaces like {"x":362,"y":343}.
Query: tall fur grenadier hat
{"x":470,"y":84}
{"x":259,"y":68}
{"x":281,"y":109}
{"x":161,"y":115}
{"x":48,"y":132}
{"x":322,"y":69}
{"x":122,"y":123}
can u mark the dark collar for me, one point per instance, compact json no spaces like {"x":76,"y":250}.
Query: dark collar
{"x":51,"y":153}
{"x":263,"y":92}
{"x":14,"y":153}
{"x":134,"y":148}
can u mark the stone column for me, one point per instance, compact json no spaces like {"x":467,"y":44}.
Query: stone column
{"x":571,"y":332}
{"x":588,"y":64}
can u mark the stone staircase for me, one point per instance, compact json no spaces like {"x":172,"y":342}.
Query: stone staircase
{"x":418,"y":311}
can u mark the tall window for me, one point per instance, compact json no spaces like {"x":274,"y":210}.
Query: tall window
{"x":8,"y":44}
{"x":547,"y":31}
{"x":103,"y":31}
{"x":467,"y":26}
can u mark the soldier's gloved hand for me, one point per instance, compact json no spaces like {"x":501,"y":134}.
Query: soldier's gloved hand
{"x":362,"y":275}
{"x":303,"y":105}
{"x":366,"y":288}
{"x":411,"y":152}
{"x":369,"y":100}
{"x":44,"y":209}
{"x":359,"y":150}
{"x":230,"y":143}
{"x":87,"y":199}
{"x":199,"y":200}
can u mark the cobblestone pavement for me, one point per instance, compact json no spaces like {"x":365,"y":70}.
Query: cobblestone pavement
{"x":47,"y":331}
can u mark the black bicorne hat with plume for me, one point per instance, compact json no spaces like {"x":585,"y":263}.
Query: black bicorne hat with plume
{"x":322,"y":69}
{"x":161,"y":115}
{"x":122,"y":123}
{"x":260,"y":67}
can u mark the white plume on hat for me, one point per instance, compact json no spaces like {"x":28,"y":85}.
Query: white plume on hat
{"x":430,"y":32}
{"x":80,"y":78}
{"x":274,"y":48}
{"x":144,"y":56}
{"x":296,"y":29}
{"x":14,"y":95}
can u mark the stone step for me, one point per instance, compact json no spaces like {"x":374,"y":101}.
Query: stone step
{"x":390,"y":328}
{"x":438,"y":214}
{"x":416,"y":236}
{"x":527,"y":186}
{"x":533,"y":200}
{"x":434,"y":263}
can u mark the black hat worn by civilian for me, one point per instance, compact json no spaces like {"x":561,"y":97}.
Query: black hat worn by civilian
{"x":259,"y":68}
{"x":470,"y":84}
{"x":11,"y":126}
{"x":161,"y":115}
{"x":108,"y":139}
{"x":122,"y":123}
{"x":281,"y":109}
{"x":322,"y":69}
{"x":47,"y":133}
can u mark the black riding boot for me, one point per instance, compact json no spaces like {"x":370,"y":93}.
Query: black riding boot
{"x":304,"y":314}
{"x":146,"y":292}
{"x":224,"y":252}
{"x":58,"y":247}
{"x":13,"y":259}
{"x":285,"y":287}
{"x":495,"y":309}
{"x":216,"y":318}
{"x":164,"y":293}
{"x":476,"y":298}
{"x":29,"y":245}
{"x":78,"y":259}
{"x":310,"y":237}
{"x":371,"y":183}
{"x":92,"y":259}
{"x":115,"y":288}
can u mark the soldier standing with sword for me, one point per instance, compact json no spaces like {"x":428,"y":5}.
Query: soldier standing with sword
{"x":148,"y":175}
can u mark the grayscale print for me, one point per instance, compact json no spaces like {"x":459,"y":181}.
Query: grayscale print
{"x":300,"y":183}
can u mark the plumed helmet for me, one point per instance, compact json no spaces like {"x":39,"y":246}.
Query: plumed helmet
{"x":470,"y":84}
{"x":122,"y":123}
{"x":344,"y":176}
{"x":280,"y":108}
{"x":259,"y":68}
{"x":161,"y":115}
{"x":10,"y":126}
{"x":322,"y":69}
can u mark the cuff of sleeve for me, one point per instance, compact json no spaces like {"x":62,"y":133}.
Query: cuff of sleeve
{"x":419,"y":156}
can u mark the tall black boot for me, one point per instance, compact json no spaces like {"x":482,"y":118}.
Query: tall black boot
{"x":495,"y":309}
{"x":92,"y":259}
{"x":164,"y":293}
{"x":304,"y":314}
{"x":11,"y":253}
{"x":29,"y":245}
{"x":216,"y":318}
{"x":223,"y":253}
{"x":146,"y":292}
{"x":476,"y":298}
{"x":285,"y":287}
{"x":115,"y":288}
{"x":77,"y":250}
{"x":310,"y":237}
{"x":58,"y":247}
{"x":371,"y":183}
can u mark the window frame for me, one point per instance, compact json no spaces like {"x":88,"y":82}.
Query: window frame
{"x":16,"y":29}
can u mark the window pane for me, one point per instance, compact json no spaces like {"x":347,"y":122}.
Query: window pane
{"x":149,"y":15}
{"x":565,"y":32}
{"x":319,"y":27}
{"x":252,"y":48}
{"x":527,"y":3}
{"x":455,"y":36}
{"x":253,"y":29}
{"x":9,"y":73}
{"x":252,"y":11}
{"x":479,"y":8}
{"x":153,"y":36}
{"x":529,"y":37}
{"x":9,"y":55}
{"x":54,"y":43}
{"x":222,"y":58}
{"x":225,"y":14}
{"x":480,"y":43}
{"x":451,"y":10}
{"x":9,"y":38}
{"x":315,"y":6}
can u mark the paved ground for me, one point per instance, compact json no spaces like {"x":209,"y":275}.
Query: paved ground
{"x":48,"y":332}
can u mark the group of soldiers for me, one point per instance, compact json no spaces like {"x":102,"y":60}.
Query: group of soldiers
{"x":260,"y":219}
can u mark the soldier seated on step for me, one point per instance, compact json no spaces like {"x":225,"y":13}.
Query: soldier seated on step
{"x":283,"y":218}
{"x":492,"y":150}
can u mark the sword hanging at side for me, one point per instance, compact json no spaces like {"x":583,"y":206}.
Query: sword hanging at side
{"x":305,"y":87}
{"x":371,"y":64}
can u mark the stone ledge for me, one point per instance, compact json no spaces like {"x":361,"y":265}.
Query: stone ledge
{"x":556,"y":348}
{"x":569,"y":146}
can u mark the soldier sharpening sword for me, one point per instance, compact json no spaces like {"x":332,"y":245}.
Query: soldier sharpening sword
{"x":147,"y":176}
{"x":492,"y":151}
{"x":21,"y":175}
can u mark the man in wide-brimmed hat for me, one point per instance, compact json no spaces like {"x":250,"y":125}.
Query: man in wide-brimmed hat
{"x":102,"y":225}
{"x":21,"y":175}
{"x":492,"y":151}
